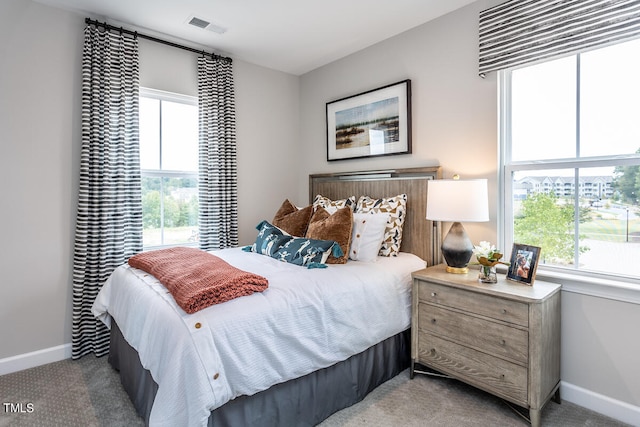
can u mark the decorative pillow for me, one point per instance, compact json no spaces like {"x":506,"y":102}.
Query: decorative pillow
{"x":277,"y":244}
{"x":396,"y":207}
{"x":308,"y":252}
{"x":336,"y":227}
{"x":270,"y":239}
{"x":368,"y":232}
{"x":333,"y":205}
{"x":291,"y":219}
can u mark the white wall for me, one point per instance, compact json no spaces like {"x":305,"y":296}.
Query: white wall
{"x":40,"y":95}
{"x":455,"y":125}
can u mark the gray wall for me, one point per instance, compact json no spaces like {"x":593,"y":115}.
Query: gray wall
{"x":266,"y":117}
{"x":455,"y":115}
{"x":281,"y":139}
{"x":39,"y":154}
{"x":40,"y":83}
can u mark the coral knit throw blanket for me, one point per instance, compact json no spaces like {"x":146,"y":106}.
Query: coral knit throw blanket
{"x":197,"y":279}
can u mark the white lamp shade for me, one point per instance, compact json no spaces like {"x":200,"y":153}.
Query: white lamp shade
{"x":458,"y":200}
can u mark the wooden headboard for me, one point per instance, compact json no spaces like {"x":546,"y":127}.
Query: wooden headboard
{"x":419,"y":236}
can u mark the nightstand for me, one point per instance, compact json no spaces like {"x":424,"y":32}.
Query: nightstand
{"x":503,"y":338}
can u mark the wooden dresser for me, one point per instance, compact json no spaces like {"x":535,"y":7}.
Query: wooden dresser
{"x":503,"y":338}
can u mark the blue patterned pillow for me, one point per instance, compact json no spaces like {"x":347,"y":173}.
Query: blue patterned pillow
{"x":270,"y":239}
{"x":277,"y":244}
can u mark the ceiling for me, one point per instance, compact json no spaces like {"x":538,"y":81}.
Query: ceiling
{"x":294,"y":36}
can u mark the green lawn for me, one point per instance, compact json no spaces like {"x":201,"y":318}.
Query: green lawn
{"x":611,"y":230}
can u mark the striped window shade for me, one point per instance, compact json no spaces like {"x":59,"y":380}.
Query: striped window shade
{"x":519,"y":32}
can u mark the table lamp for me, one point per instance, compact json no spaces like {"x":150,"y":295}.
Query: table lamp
{"x":457,"y":200}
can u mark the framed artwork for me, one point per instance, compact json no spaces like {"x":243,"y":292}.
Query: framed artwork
{"x":523,"y":264}
{"x":373,"y":123}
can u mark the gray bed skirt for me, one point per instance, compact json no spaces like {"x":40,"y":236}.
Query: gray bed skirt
{"x":305,"y":401}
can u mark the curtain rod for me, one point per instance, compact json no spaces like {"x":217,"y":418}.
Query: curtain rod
{"x":154,"y":39}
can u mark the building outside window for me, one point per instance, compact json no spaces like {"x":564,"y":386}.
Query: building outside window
{"x":570,"y":154}
{"x":169,"y":168}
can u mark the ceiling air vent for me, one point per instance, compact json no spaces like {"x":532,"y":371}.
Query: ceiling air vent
{"x":206,"y":25}
{"x":200,"y":23}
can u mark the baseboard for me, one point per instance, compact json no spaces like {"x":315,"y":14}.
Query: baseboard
{"x":35,"y":358}
{"x":602,"y":404}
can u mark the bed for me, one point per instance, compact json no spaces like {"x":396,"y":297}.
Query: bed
{"x":259,"y":366}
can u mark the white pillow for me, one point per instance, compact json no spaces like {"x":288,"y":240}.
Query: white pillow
{"x":368,"y":233}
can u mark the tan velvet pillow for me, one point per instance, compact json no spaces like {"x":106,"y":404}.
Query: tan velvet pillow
{"x":291,"y":219}
{"x":337,"y":227}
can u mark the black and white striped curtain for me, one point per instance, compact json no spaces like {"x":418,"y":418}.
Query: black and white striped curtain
{"x":109,"y":215}
{"x":519,"y":32}
{"x":218,"y":187}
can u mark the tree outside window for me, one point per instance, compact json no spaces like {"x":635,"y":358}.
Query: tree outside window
{"x":169,"y":168}
{"x":571,"y":160}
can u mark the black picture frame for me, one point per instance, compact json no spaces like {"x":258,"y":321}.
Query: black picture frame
{"x":370,"y":124}
{"x":524,"y":263}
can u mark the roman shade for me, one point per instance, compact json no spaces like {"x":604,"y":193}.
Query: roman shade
{"x":519,"y":32}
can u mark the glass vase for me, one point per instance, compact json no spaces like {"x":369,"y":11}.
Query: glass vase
{"x":487,"y":274}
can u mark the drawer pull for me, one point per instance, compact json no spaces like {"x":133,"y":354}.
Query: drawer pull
{"x":503,"y":343}
{"x":502,"y":377}
{"x":504,"y":311}
{"x":434,"y":294}
{"x":433,"y":321}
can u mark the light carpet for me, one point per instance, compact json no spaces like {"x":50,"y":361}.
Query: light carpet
{"x":87,"y":392}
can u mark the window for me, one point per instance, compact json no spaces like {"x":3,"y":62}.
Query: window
{"x":169,"y":168}
{"x":570,"y":150}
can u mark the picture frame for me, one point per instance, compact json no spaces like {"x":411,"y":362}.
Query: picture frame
{"x":524,"y":263}
{"x":370,"y":124}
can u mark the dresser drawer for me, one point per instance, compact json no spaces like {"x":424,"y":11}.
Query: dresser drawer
{"x":473,"y":302}
{"x":489,"y":373}
{"x":489,"y":337}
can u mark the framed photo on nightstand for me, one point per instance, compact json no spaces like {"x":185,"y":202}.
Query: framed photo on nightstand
{"x":524,"y":262}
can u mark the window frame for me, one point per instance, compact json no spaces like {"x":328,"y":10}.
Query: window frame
{"x":159,"y":173}
{"x":622,"y":288}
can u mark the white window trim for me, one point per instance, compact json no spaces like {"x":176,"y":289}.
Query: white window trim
{"x":168,"y":96}
{"x":575,"y":281}
{"x":171,"y":97}
{"x":593,"y":285}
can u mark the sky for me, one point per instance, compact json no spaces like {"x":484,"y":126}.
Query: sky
{"x":363,"y":113}
{"x":544,"y":106}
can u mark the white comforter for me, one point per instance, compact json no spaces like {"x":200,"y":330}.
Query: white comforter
{"x":306,"y":320}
